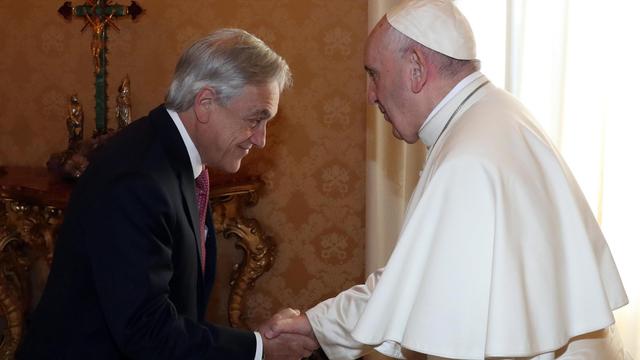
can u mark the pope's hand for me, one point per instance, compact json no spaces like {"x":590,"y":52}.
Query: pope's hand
{"x":288,"y":335}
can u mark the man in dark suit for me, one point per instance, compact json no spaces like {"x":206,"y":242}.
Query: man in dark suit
{"x":134,"y":260}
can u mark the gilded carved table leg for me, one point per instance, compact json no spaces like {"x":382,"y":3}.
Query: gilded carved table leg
{"x":259,"y":250}
{"x":26,"y":234}
{"x":11,"y":310}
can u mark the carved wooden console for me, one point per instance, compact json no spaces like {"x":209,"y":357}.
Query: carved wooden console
{"x":32,"y":205}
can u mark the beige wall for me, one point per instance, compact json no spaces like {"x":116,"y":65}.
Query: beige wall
{"x":313,"y":165}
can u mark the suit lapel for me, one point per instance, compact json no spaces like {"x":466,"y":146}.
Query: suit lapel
{"x":179,"y":160}
{"x":187,"y":187}
{"x":211,"y":245}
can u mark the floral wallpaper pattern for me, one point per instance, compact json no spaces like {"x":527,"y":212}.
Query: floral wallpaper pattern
{"x":314,"y":163}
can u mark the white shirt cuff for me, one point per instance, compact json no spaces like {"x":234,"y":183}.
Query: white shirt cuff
{"x":258,"y":346}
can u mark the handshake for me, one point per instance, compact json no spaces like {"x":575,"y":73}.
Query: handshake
{"x":287,"y":335}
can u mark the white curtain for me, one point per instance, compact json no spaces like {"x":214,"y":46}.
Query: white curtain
{"x":573,"y":64}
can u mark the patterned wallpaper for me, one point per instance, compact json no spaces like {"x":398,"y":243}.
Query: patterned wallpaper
{"x":313,"y":165}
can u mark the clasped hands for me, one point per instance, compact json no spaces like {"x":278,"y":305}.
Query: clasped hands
{"x":287,"y":336}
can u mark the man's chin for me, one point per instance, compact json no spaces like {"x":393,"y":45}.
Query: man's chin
{"x":233,"y":168}
{"x":227,"y":168}
{"x":396,"y":134}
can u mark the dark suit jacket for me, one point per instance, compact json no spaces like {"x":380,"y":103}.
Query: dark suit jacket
{"x":125,"y":281}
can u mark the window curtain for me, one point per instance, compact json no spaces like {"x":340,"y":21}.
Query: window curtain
{"x":573,"y":64}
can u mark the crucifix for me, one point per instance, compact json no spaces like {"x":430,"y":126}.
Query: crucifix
{"x":99,"y":15}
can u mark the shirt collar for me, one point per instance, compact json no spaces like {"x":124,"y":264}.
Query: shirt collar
{"x":438,"y":118}
{"x":194,"y":155}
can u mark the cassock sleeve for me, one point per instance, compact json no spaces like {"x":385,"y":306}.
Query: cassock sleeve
{"x":131,"y":261}
{"x":333,"y":320}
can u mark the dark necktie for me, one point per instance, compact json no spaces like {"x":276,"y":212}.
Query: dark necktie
{"x":202,"y":198}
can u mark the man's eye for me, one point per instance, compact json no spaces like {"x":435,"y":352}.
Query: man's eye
{"x":253,"y":123}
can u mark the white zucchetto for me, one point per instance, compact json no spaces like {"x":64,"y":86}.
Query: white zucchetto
{"x":436,"y":24}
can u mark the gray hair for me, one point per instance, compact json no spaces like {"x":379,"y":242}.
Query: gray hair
{"x":446,"y":65}
{"x":226,"y":60}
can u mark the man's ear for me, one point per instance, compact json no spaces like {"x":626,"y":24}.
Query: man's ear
{"x":205,"y":98}
{"x":418,"y":70}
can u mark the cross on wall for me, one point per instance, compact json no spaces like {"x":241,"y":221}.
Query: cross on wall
{"x":99,"y":15}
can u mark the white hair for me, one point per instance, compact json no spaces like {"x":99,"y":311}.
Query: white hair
{"x":226,"y":60}
{"x":446,"y":65}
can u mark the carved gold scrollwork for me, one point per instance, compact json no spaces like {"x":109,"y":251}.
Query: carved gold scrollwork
{"x":27,"y":233}
{"x":37,"y":226}
{"x":259,"y":250}
{"x":10,"y":302}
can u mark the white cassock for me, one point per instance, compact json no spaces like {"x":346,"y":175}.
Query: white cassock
{"x":499,"y":254}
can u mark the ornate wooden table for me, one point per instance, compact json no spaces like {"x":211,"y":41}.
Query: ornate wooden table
{"x":32,"y":203}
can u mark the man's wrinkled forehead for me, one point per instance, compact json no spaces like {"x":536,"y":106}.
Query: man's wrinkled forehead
{"x":376,"y":39}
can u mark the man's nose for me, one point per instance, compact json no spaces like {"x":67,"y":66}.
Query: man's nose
{"x":259,"y":136}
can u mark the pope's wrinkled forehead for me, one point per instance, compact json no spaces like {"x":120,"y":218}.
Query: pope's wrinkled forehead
{"x":379,"y":38}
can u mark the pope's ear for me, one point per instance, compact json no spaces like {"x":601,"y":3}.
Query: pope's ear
{"x":205,"y":98}
{"x":418,"y":70}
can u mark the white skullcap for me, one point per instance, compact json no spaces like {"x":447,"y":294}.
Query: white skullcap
{"x":436,"y":24}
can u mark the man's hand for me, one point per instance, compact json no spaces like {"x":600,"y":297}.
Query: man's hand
{"x":288,"y":335}
{"x":293,"y":325}
{"x":288,"y":347}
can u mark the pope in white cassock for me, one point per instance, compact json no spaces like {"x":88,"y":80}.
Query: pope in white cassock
{"x":499,"y":255}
